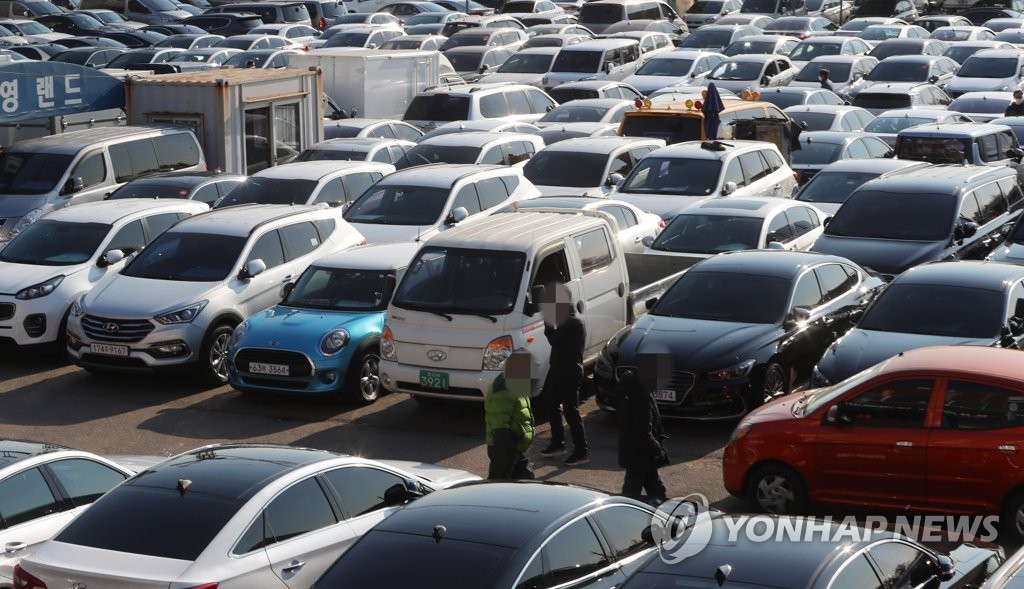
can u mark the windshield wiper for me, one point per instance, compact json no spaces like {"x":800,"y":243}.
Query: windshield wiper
{"x":439,"y":314}
{"x":485,"y":316}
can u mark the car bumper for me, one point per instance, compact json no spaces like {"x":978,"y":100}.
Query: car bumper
{"x":32,"y":322}
{"x":308,"y":373}
{"x":733,"y":471}
{"x":463,"y":385}
{"x":695,"y":399}
{"x":165,"y":348}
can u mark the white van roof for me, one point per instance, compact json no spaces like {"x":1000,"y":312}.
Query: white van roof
{"x":514,"y":231}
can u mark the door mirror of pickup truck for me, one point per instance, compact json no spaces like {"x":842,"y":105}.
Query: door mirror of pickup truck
{"x":729,"y":188}
{"x":390,"y":282}
{"x":649,"y":303}
{"x":287,"y":290}
{"x":533,"y":299}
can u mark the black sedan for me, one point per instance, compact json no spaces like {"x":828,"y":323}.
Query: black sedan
{"x":501,"y":535}
{"x":948,"y":303}
{"x":754,"y":551}
{"x":77,"y":24}
{"x":741,"y":328}
{"x":943,"y":212}
{"x":205,"y":187}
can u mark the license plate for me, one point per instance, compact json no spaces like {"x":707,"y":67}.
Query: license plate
{"x":432,"y":379}
{"x":665,"y":395}
{"x":109,"y":350}
{"x":273,"y":369}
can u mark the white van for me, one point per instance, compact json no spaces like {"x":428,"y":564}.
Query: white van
{"x":41,"y":175}
{"x":600,"y":59}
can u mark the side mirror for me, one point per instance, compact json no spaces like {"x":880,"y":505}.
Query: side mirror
{"x":110,"y":258}
{"x":775,"y":245}
{"x":945,"y":568}
{"x":858,"y":76}
{"x":970,"y":229}
{"x":252,"y":269}
{"x":932,"y":79}
{"x":838,"y":415}
{"x":729,"y":188}
{"x":484,"y":68}
{"x":396,"y":494}
{"x":1016,"y":153}
{"x":457,"y":215}
{"x":73,"y":185}
{"x":649,"y":303}
{"x":648,"y":240}
{"x":1014,"y":327}
{"x":797,"y":316}
{"x":371,"y":46}
{"x":826,"y":221}
{"x":614,"y":179}
{"x":533,"y":299}
{"x":287,"y":290}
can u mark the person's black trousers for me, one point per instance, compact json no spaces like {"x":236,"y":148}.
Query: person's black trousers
{"x":507,"y":464}
{"x":638,"y":480}
{"x":564,"y":399}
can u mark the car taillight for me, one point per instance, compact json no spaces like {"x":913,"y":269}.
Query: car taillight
{"x":23,"y":580}
{"x":205,"y":586}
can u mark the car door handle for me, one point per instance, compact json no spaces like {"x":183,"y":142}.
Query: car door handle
{"x":287,"y":278}
{"x":12,"y":547}
{"x":294,"y":567}
{"x":1007,"y":449}
{"x":905,"y":444}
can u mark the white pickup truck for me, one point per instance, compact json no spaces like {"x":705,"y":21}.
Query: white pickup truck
{"x":469,"y":296}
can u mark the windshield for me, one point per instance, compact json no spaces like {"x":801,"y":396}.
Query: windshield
{"x":896,"y":48}
{"x":960,"y":54}
{"x":517,"y":7}
{"x":423,"y":19}
{"x":147,"y":189}
{"x":422,"y":155}
{"x":604,"y":14}
{"x":879,"y":33}
{"x":585,"y":62}
{"x":465,"y":41}
{"x":724,"y":296}
{"x":31,"y":172}
{"x":570,"y":113}
{"x":563,"y":95}
{"x":398,"y":205}
{"x":340,"y":290}
{"x":709,"y":234}
{"x":815,"y":121}
{"x":749,"y":48}
{"x":895,"y":71}
{"x":834,"y":187}
{"x":401,"y":44}
{"x":894,"y":124}
{"x":270,"y":191}
{"x":705,"y":39}
{"x":816,"y":154}
{"x":313,"y":155}
{"x":989,"y":67}
{"x":926,"y":309}
{"x":526,"y":64}
{"x":55,"y":243}
{"x":875,"y":214}
{"x":687,"y":177}
{"x":162,"y":5}
{"x":438,"y":107}
{"x":937,"y":150}
{"x":566,"y":168}
{"x":705,"y":7}
{"x":347,"y":40}
{"x":188,"y":257}
{"x":665,"y":67}
{"x":736,"y":70}
{"x":454,"y":280}
{"x":816,"y":399}
{"x":951,"y":34}
{"x":784,"y":99}
{"x":759,"y":6}
{"x":789,"y":26}
{"x":33,"y":28}
{"x":980,"y":105}
{"x":808,"y":51}
{"x":464,"y":62}
{"x":837,"y":72}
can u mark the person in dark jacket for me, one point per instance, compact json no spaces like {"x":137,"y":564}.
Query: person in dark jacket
{"x":823,"y":78}
{"x":641,"y":433}
{"x":1016,"y":106}
{"x":508,"y":420}
{"x":567,"y":334}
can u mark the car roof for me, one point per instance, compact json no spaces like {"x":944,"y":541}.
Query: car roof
{"x":742,"y":206}
{"x":476,"y":138}
{"x":942,"y":179}
{"x":240,"y":220}
{"x":791,"y":90}
{"x":316,"y":170}
{"x":981,"y":361}
{"x":346,"y":143}
{"x":598,"y":102}
{"x":437,"y":175}
{"x":589,"y":84}
{"x":704,"y":150}
{"x":599,"y":144}
{"x":512,"y":231}
{"x":917,"y":112}
{"x":880,"y":165}
{"x":109,"y":211}
{"x":831,"y":137}
{"x":957,"y":129}
{"x":73,"y":141}
{"x":998,"y":276}
{"x":12,"y":451}
{"x":375,"y":256}
{"x":235,"y":471}
{"x":515,"y":513}
{"x":912,"y":58}
{"x":1014,"y":53}
{"x":778,"y":263}
{"x":567,"y":202}
{"x":894,"y":88}
{"x":757,"y":57}
{"x":823,"y":108}
{"x":601,"y":44}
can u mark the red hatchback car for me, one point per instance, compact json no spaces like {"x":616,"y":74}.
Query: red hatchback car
{"x":936,"y":430}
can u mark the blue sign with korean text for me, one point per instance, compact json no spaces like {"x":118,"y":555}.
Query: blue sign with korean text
{"x":39,"y":89}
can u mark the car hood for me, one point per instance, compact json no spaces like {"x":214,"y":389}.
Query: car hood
{"x":380,"y":233}
{"x":959,"y":84}
{"x":888,"y":256}
{"x":697,"y":345}
{"x":598,"y":191}
{"x":862,"y":348}
{"x":16,"y":205}
{"x":1009,"y":252}
{"x":440,"y":477}
{"x":298,"y":327}
{"x":498,"y":77}
{"x":131,"y":297}
{"x":14,"y":277}
{"x":648,"y":84}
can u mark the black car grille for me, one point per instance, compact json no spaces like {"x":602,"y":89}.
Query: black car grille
{"x":415,"y":387}
{"x":291,"y":385}
{"x":681,"y":383}
{"x":124,"y":331}
{"x":6,"y":311}
{"x":298,"y":364}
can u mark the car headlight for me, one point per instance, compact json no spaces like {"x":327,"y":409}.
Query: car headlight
{"x":387,"y":345}
{"x":182,"y":315}
{"x":26,"y":220}
{"x":740,"y":432}
{"x":238,"y":333}
{"x":39,"y":290}
{"x":732,"y":372}
{"x":818,"y":379}
{"x":333,"y":342}
{"x":497,"y":351}
{"x":76,"y":307}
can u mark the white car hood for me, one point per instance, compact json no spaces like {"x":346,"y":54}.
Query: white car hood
{"x":498,"y":78}
{"x":128,"y":297}
{"x":380,"y":233}
{"x":14,"y":277}
{"x":571,"y":190}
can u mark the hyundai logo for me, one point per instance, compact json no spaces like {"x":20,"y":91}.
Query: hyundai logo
{"x":111,"y":328}
{"x":436,"y":355}
{"x":77,"y":585}
{"x":274,"y":343}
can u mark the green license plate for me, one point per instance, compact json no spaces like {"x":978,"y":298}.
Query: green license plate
{"x":432,"y":379}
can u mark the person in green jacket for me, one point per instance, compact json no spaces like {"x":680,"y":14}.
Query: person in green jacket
{"x":509,"y":420}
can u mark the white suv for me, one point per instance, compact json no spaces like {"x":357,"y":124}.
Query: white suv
{"x":58,"y":258}
{"x":175,"y":305}
{"x":676,"y":177}
{"x":472,"y":102}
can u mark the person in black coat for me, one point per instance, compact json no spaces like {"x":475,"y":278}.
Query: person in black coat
{"x":567,"y":335}
{"x":641,"y":432}
{"x":1016,"y":106}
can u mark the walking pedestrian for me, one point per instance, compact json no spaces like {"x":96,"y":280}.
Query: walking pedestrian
{"x":508,"y":420}
{"x":641,"y":433}
{"x":566,"y":332}
{"x":823,"y":78}
{"x":1016,"y":106}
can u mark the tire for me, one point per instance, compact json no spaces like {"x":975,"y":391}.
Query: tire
{"x":364,"y":377}
{"x":777,"y":489}
{"x":213,"y":357}
{"x":1012,"y":519}
{"x":775,"y":382}
{"x":60,"y":345}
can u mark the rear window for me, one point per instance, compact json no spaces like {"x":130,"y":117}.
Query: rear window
{"x":295,"y":13}
{"x":604,"y":14}
{"x":671,"y":128}
{"x":124,"y":520}
{"x":438,"y":107}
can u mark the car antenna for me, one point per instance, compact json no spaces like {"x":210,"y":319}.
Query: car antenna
{"x":183,"y":485}
{"x":439,"y":532}
{"x":722,"y":574}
